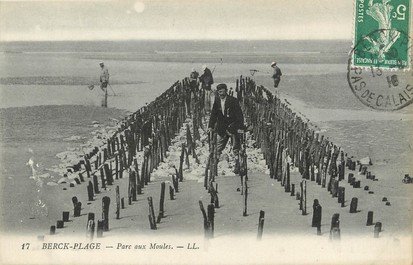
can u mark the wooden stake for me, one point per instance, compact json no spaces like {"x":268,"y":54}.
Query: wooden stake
{"x":52,"y":230}
{"x":90,"y":191}
{"x":353,"y":205}
{"x":90,"y":226}
{"x":206,"y":223}
{"x":161,"y":203}
{"x":100,"y":228}
{"x":117,"y":202}
{"x":151,"y":215}
{"x":287,"y":183}
{"x":171,"y":193}
{"x":77,"y":209}
{"x":335,"y":227}
{"x":369,"y":218}
{"x":211,"y":217}
{"x":102,"y":178}
{"x":303,"y":198}
{"x":260,"y":225}
{"x":95,"y":184}
{"x":108,"y":174}
{"x":245,"y":194}
{"x":105,"y":212}
{"x":377,"y":229}
{"x":65,"y":216}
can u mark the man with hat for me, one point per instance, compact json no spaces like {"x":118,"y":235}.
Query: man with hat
{"x":276,"y":75}
{"x":104,"y":77}
{"x":227,"y":116}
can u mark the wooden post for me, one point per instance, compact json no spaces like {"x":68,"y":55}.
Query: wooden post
{"x":90,"y":191}
{"x":77,"y":209}
{"x":377,"y":229}
{"x":211,"y":217}
{"x":350,"y":177}
{"x":66,"y":216}
{"x":341,"y":196}
{"x":100,"y":228}
{"x":245,"y":194}
{"x":335,"y":227}
{"x":151,"y":215}
{"x":369,"y":218}
{"x":59,"y":224}
{"x":214,"y":195}
{"x":260,"y":225}
{"x":206,"y":223}
{"x":303,"y":198}
{"x":171,"y":193}
{"x":95,"y":184}
{"x":117,"y":202}
{"x":161,"y":203}
{"x":52,"y":230}
{"x":105,"y":212}
{"x":102,"y":178}
{"x":108,"y":174}
{"x":292,"y":189}
{"x":116,"y":167}
{"x":82,"y":179}
{"x":122,"y":203}
{"x":316,"y":221}
{"x":90,"y":226}
{"x":175,"y":182}
{"x":287,"y":183}
{"x":353,"y":205}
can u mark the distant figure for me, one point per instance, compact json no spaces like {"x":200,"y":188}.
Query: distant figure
{"x":190,"y":92}
{"x":227,"y":115}
{"x":104,"y":77}
{"x":276,"y":75}
{"x":194,"y":79}
{"x":206,"y":81}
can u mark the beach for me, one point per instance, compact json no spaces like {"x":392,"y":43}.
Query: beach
{"x":47,"y":109}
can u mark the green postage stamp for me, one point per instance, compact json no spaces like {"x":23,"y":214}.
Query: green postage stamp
{"x":381,"y":34}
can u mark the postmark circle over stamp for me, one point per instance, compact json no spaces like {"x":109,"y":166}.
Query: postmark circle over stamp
{"x":381,"y":78}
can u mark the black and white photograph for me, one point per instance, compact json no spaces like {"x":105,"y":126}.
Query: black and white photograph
{"x":206,"y":132}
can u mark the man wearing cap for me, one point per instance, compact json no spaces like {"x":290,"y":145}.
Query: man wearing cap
{"x":227,"y":116}
{"x":206,"y":81}
{"x":104,"y":77}
{"x":276,"y":75}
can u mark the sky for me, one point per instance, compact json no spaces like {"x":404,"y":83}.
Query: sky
{"x":175,"y":19}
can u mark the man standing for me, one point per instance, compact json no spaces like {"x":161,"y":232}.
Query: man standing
{"x":194,"y":79}
{"x":206,"y":81}
{"x":276,"y":75}
{"x":227,"y":115}
{"x":104,"y":77}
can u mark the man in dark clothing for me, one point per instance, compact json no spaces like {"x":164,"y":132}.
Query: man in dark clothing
{"x":276,"y":75}
{"x":227,"y":115}
{"x":194,"y":79}
{"x":206,"y":81}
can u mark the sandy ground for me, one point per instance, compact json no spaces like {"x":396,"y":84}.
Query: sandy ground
{"x":284,"y":221}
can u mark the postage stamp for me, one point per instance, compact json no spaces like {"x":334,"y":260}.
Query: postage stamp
{"x":389,"y":47}
{"x":379,"y":66}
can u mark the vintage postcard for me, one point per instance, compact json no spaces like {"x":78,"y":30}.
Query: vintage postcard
{"x":206,"y":132}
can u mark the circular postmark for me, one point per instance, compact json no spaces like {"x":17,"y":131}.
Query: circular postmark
{"x":379,"y":72}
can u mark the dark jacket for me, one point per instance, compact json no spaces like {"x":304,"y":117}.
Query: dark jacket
{"x":232,"y":120}
{"x":277,"y":73}
{"x":206,"y":79}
